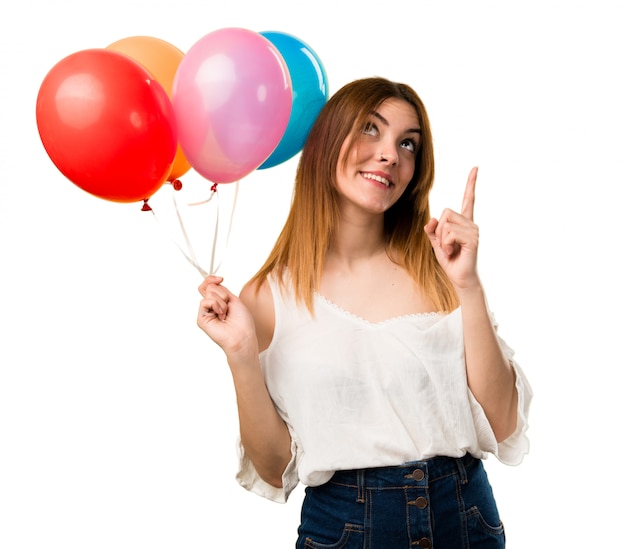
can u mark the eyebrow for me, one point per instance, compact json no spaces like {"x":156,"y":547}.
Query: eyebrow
{"x":386,"y":123}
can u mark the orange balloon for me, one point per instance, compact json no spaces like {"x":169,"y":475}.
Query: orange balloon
{"x":161,"y":59}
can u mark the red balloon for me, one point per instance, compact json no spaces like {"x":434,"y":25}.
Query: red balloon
{"x":107,"y":125}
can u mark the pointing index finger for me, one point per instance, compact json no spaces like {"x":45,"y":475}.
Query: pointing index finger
{"x":467,"y":208}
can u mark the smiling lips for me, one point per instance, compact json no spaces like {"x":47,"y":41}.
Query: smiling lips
{"x":378,"y":178}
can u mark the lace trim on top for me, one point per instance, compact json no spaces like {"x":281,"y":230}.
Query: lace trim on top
{"x":343,"y":311}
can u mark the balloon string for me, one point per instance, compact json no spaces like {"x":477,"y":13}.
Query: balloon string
{"x":189,"y":254}
{"x":217,"y":224}
{"x":202,"y":272}
{"x":230,"y":226}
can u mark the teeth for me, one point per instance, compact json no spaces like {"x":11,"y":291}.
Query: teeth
{"x":382,"y":180}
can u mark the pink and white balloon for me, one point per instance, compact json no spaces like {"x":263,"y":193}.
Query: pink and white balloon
{"x":232,"y":97}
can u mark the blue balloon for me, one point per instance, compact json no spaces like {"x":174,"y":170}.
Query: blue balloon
{"x":309,"y":94}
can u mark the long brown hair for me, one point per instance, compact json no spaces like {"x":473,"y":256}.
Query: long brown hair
{"x":304,"y":240}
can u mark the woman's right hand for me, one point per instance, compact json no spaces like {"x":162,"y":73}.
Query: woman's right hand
{"x":227,"y":321}
{"x":264,"y":434}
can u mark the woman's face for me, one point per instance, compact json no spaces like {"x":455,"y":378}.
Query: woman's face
{"x":381,"y":163}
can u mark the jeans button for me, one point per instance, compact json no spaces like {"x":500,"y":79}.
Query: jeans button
{"x":418,"y":474}
{"x":425,"y":543}
{"x":421,"y":503}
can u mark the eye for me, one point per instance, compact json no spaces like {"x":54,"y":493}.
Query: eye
{"x":409,"y":145}
{"x":370,"y":129}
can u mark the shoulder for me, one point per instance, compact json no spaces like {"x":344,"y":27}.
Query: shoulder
{"x":257,"y":294}
{"x":257,"y":297}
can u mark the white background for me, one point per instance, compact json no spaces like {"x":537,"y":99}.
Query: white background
{"x":117,"y":416}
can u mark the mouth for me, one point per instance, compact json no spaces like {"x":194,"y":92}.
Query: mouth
{"x":386,"y":182}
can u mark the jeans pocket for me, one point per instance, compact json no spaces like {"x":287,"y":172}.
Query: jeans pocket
{"x":351,"y":538}
{"x":481,"y":532}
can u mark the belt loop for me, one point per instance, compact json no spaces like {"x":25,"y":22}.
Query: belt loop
{"x":360,"y":481}
{"x":461,"y":467}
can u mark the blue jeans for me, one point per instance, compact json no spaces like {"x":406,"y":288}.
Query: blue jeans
{"x":440,"y":503}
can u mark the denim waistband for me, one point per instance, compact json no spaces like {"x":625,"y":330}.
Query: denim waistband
{"x":412,"y":473}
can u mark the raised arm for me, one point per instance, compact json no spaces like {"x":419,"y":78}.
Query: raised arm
{"x":490,"y":377}
{"x":232,"y":323}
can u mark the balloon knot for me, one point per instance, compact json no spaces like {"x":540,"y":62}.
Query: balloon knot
{"x":177,"y":184}
{"x":146,"y":207}
{"x":214,"y":187}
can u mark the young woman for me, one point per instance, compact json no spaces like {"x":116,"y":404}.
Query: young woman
{"x":365,"y":360}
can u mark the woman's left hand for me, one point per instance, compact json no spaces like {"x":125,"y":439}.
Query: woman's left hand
{"x":454,"y":238}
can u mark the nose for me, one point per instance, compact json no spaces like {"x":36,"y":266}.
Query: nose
{"x":388,"y":154}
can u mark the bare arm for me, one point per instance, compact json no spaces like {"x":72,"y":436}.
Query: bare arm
{"x":490,"y":376}
{"x":231,"y":322}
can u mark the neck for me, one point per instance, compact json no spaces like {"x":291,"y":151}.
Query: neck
{"x":357,"y":240}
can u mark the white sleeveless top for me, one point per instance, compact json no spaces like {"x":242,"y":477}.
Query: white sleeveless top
{"x":358,"y":394}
